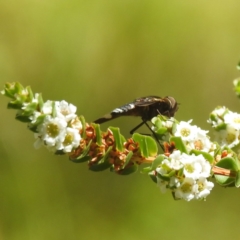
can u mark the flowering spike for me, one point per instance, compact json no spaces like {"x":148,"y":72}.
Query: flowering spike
{"x":189,"y":161}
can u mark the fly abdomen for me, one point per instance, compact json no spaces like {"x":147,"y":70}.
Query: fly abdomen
{"x":125,"y":110}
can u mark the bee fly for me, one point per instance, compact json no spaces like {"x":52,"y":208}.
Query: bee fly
{"x":146,"y":108}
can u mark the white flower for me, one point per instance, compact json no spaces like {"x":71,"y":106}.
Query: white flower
{"x":186,"y":190}
{"x":48,"y":107}
{"x":195,"y":166}
{"x":66,"y":110}
{"x":228,"y":137}
{"x":220,"y":111}
{"x":76,"y":123}
{"x":173,"y":163}
{"x":204,"y":188}
{"x":186,"y":131}
{"x":201,"y":141}
{"x":51,"y":132}
{"x":175,"y":160}
{"x":71,"y":140}
{"x":233,"y":119}
{"x":162,"y":185}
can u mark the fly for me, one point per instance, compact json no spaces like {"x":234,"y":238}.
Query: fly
{"x":144,"y":107}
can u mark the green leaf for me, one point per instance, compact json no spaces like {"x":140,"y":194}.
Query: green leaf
{"x":82,"y":120}
{"x":237,"y":181}
{"x":98,"y":133}
{"x":103,"y":164}
{"x":224,"y":181}
{"x":167,"y":176}
{"x":230,"y":164}
{"x":147,"y":145}
{"x":128,"y":158}
{"x":153,"y":177}
{"x":179,"y":144}
{"x":157,"y":161}
{"x":54,"y":110}
{"x":100,"y":166}
{"x":84,"y":156}
{"x":14,"y":105}
{"x":160,"y":128}
{"x":238,"y":66}
{"x":34,"y":126}
{"x":23,"y":117}
{"x":128,"y":170}
{"x":119,"y":139}
{"x":206,"y":155}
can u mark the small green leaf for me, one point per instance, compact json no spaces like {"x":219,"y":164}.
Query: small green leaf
{"x":157,"y":161}
{"x":153,"y":177}
{"x":167,"y":176}
{"x":23,"y":117}
{"x":238,"y":66}
{"x":128,"y":158}
{"x":100,"y":166}
{"x":103,"y":164}
{"x":34,"y":126}
{"x":82,"y":120}
{"x":98,"y":133}
{"x":224,"y":180}
{"x":237,"y":180}
{"x":179,"y":144}
{"x":147,"y":145}
{"x":230,"y":164}
{"x":206,"y":155}
{"x":14,"y":105}
{"x":81,"y":160}
{"x":128,"y":170}
{"x":119,"y":139}
{"x":83,"y":157}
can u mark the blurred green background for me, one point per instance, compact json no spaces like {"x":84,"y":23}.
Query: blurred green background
{"x":99,"y":55}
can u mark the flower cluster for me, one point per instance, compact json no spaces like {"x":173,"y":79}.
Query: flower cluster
{"x":60,"y":128}
{"x":194,"y":137}
{"x":185,"y":175}
{"x":55,"y":123}
{"x":227,"y":126}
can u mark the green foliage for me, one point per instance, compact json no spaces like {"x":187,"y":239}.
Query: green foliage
{"x":119,"y":139}
{"x":231,"y":164}
{"x":147,"y":144}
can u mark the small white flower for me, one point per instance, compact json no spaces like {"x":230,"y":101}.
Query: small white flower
{"x":201,"y":141}
{"x":76,"y":123}
{"x":220,"y":111}
{"x":204,"y":188}
{"x":165,"y":167}
{"x":217,"y":115}
{"x":233,"y":119}
{"x":228,"y":137}
{"x":48,"y":107}
{"x":162,"y":185}
{"x":195,"y":166}
{"x":186,"y":190}
{"x":186,"y":131}
{"x":173,"y":163}
{"x":71,"y":140}
{"x":175,"y":160}
{"x":51,"y":132}
{"x":66,"y":110}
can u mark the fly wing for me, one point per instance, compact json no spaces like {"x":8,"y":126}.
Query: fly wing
{"x":146,"y":101}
